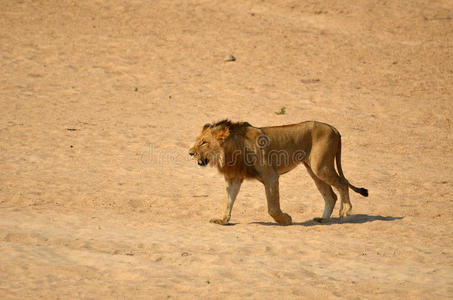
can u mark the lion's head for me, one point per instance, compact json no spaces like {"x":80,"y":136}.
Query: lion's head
{"x":221,"y":144}
{"x":208,"y":147}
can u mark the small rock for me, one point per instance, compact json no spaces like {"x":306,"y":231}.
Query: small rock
{"x":230,"y":58}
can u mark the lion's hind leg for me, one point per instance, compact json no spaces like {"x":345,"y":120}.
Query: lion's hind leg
{"x":327,"y":193}
{"x":322,"y":165}
{"x":330,"y":176}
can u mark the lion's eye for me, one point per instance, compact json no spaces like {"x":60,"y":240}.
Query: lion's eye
{"x":203,"y":143}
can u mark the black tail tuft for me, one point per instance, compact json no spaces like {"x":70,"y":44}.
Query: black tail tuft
{"x":363,"y":192}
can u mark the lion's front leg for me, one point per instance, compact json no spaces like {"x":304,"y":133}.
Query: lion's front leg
{"x":231,"y":192}
{"x":273,"y":202}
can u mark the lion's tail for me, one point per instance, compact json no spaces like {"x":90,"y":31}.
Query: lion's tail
{"x":362,"y":191}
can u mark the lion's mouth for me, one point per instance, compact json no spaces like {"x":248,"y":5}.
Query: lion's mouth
{"x":203,"y":162}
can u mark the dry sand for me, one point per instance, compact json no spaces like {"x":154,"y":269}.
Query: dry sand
{"x":100,"y":100}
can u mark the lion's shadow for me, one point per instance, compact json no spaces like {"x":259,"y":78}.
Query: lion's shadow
{"x":352,"y":219}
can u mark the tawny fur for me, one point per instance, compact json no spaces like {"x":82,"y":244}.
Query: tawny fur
{"x":241,"y":151}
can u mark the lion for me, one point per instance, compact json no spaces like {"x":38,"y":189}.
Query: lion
{"x":241,"y":151}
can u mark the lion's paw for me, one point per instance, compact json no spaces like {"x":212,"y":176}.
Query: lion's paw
{"x":285,"y":219}
{"x":219,"y":221}
{"x":345,"y":211}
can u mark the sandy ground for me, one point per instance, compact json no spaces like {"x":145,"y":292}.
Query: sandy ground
{"x":100,"y":100}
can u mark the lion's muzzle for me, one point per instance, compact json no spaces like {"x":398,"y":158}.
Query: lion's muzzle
{"x":201,"y":162}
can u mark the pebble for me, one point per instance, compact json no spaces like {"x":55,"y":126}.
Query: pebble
{"x":230,"y":58}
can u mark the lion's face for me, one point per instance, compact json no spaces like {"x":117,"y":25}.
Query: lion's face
{"x":208,"y":146}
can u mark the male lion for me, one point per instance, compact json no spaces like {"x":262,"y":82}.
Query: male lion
{"x":241,"y":151}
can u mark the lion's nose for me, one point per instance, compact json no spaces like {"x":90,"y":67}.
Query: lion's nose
{"x":191,"y":153}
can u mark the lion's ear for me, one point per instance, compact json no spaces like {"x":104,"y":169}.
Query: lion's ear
{"x":206,"y":126}
{"x":222,"y":134}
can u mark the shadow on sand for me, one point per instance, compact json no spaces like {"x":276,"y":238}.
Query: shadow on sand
{"x":353,"y":219}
